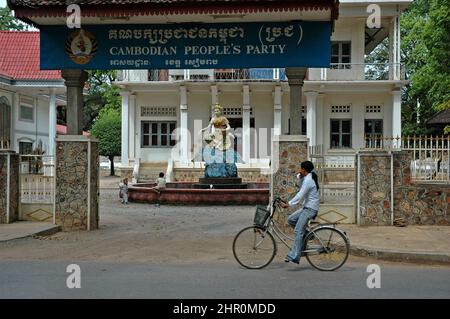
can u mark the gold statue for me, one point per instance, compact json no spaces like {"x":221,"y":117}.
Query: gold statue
{"x":219,"y":136}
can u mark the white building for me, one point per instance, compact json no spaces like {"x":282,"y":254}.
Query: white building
{"x":340,"y":105}
{"x":29,"y":97}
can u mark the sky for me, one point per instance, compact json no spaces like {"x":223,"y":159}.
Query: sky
{"x":2,"y":3}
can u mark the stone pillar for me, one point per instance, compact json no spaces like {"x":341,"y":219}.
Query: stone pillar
{"x":397,"y":117}
{"x":311,"y":118}
{"x":74,"y":80}
{"x":52,"y":123}
{"x":9,"y":186}
{"x":77,"y":172}
{"x":184,"y":136}
{"x":246,"y":124}
{"x":288,"y":151}
{"x":296,"y":76}
{"x":132,"y":127}
{"x":125,"y":119}
{"x":374,"y":184}
{"x":277,"y":107}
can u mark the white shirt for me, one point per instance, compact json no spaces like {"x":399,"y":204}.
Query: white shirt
{"x":308,"y":192}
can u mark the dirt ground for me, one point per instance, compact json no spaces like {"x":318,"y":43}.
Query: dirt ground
{"x":141,"y":233}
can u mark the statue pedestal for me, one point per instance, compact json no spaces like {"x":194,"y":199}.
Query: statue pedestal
{"x":220,"y":183}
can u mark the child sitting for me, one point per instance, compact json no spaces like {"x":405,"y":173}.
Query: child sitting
{"x":160,"y":183}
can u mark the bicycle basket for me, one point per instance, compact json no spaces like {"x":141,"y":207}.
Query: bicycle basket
{"x":261,"y":215}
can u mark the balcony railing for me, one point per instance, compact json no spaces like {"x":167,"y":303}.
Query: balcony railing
{"x":337,"y":72}
{"x":359,"y":72}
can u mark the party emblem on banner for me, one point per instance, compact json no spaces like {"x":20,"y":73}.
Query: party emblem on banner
{"x":81,"y":46}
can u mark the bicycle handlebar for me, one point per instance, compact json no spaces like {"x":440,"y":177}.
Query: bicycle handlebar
{"x":279,"y":199}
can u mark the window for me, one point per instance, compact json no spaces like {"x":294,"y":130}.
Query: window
{"x":158,"y":134}
{"x":26,"y":113}
{"x":341,"y":55}
{"x":25,"y":148}
{"x":341,"y":134}
{"x":373,"y":128}
{"x":5,"y":120}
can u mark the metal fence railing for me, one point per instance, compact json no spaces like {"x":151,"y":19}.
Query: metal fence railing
{"x":430,"y":154}
{"x":37,"y":179}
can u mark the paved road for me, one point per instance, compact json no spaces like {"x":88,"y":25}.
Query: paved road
{"x":185,"y":252}
{"x":220,"y":280}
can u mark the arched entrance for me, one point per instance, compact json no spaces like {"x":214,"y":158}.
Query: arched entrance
{"x":5,"y":123}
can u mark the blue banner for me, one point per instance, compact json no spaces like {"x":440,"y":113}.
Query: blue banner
{"x":187,"y":46}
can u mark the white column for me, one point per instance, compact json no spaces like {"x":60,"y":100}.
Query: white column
{"x":394,"y":48}
{"x":246,"y":124}
{"x":132,"y":126}
{"x":184,"y":137}
{"x":277,"y":110}
{"x":214,"y":94}
{"x":14,"y":116}
{"x":397,"y":115}
{"x":52,"y":124}
{"x":319,"y":119}
{"x":125,"y":132}
{"x":397,"y":47}
{"x":311,"y":119}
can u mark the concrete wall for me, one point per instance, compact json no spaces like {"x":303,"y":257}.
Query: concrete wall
{"x":261,"y":101}
{"x":26,"y":130}
{"x":358,"y":115}
{"x":347,"y":30}
{"x":171,"y":99}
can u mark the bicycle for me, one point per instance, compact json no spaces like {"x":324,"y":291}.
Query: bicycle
{"x":325,"y":246}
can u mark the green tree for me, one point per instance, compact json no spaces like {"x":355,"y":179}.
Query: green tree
{"x":101,"y":93}
{"x":107,"y":128}
{"x":425,"y":51}
{"x":8,"y":22}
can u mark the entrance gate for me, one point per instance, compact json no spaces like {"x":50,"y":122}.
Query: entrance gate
{"x":336,"y":176}
{"x":37,"y":188}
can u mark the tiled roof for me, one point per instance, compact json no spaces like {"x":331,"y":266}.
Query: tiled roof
{"x":442,"y":117}
{"x":43,"y":3}
{"x":25,"y":9}
{"x":19,"y":57}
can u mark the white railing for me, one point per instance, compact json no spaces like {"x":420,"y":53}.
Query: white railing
{"x":359,"y":71}
{"x":430,"y":154}
{"x":220,"y":75}
{"x":4,"y":144}
{"x":37,"y":179}
{"x":316,"y":149}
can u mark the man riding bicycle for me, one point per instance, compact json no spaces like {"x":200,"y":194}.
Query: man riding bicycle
{"x":309,"y":194}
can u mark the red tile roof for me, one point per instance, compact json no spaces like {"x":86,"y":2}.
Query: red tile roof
{"x":19,"y":57}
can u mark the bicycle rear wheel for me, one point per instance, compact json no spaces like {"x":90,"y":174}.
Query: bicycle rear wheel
{"x":326,"y":248}
{"x":254,"y":247}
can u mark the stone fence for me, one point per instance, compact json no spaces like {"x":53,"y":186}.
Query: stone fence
{"x":386,"y":192}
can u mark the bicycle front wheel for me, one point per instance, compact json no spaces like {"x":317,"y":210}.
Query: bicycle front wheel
{"x":326,"y":249}
{"x":254,"y":247}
